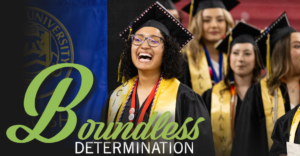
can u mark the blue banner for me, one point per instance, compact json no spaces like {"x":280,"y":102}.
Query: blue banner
{"x":66,"y":31}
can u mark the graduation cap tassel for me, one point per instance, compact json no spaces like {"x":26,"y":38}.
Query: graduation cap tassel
{"x":229,"y":41}
{"x":268,"y":56}
{"x":119,"y":68}
{"x":191,"y":12}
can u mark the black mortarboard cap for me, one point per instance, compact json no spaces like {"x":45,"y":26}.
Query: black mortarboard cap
{"x":241,"y":33}
{"x":205,"y":4}
{"x":157,"y":16}
{"x":278,"y":29}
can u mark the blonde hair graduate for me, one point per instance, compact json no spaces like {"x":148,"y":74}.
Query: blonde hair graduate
{"x":206,"y":65}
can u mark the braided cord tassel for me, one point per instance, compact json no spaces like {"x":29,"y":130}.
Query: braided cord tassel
{"x":191,"y":12}
{"x":119,"y":68}
{"x":268,"y":57}
{"x":229,"y":41}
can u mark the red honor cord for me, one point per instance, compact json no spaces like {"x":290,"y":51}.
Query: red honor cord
{"x":147,"y":104}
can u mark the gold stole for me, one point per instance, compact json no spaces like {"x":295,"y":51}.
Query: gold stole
{"x":200,"y":76}
{"x":220,"y":119}
{"x":165,"y":100}
{"x":294,"y":126}
{"x":268,"y":102}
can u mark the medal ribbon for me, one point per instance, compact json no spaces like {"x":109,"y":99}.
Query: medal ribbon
{"x":220,"y":65}
{"x":147,"y":104}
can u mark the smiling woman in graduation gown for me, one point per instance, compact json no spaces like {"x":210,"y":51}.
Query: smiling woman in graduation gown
{"x":274,"y":95}
{"x":205,"y":65}
{"x":224,"y":100}
{"x":152,"y":58}
{"x":286,"y":129}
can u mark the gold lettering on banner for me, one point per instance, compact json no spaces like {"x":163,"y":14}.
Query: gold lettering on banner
{"x":65,"y":60}
{"x":45,"y":20}
{"x":65,"y":53}
{"x":55,"y":28}
{"x":60,"y":119}
{"x":49,"y":23}
{"x":39,"y":17}
{"x":54,"y":123}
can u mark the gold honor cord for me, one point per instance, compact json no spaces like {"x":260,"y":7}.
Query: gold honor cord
{"x":294,"y":126}
{"x":229,"y":41}
{"x":268,"y":57}
{"x":200,"y":77}
{"x":268,"y":103}
{"x":191,"y":13}
{"x":220,"y":119}
{"x":165,"y":100}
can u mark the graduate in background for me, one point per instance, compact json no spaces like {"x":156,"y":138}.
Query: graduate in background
{"x":224,"y":100}
{"x":274,"y":95}
{"x":205,"y":64}
{"x":149,"y":66}
{"x":169,"y":5}
{"x":286,"y":129}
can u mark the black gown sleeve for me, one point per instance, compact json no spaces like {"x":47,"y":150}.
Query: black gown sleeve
{"x":190,"y":104}
{"x":104,"y":113}
{"x":281,"y":133}
{"x":206,"y":96}
{"x":186,"y":77}
{"x":250,"y":130}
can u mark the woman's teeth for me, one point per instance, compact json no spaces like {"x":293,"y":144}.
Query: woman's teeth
{"x":144,"y":57}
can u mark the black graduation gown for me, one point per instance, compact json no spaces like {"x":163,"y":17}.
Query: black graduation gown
{"x":207,"y":100}
{"x":250,"y":129}
{"x":281,"y":133}
{"x":188,"y":104}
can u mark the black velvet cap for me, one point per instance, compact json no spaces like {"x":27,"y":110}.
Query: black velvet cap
{"x":241,"y":33}
{"x":278,"y":29}
{"x":205,"y":4}
{"x":158,"y":17}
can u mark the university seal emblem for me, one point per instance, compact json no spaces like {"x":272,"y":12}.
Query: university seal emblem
{"x":47,"y":42}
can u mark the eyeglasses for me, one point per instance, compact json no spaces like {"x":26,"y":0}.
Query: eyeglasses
{"x":153,"y":41}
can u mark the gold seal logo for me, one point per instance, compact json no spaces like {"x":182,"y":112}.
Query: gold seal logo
{"x":47,"y":42}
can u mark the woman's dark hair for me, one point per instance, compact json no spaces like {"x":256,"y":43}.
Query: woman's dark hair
{"x":256,"y":71}
{"x":171,"y":65}
{"x":281,"y":63}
